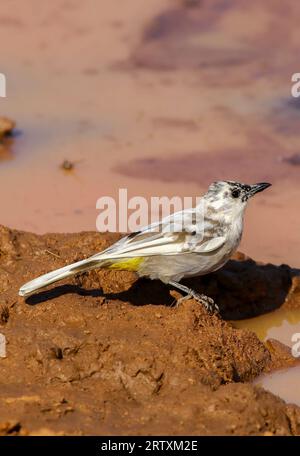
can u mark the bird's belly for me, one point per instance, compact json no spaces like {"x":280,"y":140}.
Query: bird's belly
{"x":175,"y":267}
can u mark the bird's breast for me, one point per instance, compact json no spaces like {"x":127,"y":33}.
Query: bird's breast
{"x":234,"y":235}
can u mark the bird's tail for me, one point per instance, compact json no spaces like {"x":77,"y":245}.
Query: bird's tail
{"x":59,"y":274}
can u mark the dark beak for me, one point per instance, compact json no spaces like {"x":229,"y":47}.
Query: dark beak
{"x":256,"y":188}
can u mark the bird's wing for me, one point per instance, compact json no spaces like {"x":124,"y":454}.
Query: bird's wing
{"x":167,"y":237}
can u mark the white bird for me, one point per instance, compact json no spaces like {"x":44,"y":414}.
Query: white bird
{"x":192,"y":242}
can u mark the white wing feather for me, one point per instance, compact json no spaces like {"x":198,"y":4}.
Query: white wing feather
{"x":166,"y":237}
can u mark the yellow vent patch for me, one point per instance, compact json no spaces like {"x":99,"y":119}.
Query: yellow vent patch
{"x":128,"y":264}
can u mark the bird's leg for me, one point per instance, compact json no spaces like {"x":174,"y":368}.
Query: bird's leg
{"x":207,"y":302}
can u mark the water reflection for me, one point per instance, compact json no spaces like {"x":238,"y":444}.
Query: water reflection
{"x":284,"y":383}
{"x":280,"y":324}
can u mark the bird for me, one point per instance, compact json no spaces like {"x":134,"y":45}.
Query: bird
{"x":188,"y":243}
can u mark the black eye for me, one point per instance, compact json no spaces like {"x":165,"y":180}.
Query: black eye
{"x":235,"y":193}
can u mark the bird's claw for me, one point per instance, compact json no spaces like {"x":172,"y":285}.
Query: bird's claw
{"x":207,"y":302}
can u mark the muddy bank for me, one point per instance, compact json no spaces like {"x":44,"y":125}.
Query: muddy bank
{"x":127,"y":362}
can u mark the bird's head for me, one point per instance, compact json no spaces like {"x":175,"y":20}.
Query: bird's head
{"x":232,"y":196}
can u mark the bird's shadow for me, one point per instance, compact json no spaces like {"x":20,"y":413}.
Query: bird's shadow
{"x":142,"y":292}
{"x":242,"y":289}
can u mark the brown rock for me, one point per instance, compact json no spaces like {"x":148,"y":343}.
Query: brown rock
{"x":6,"y":126}
{"x":281,"y":355}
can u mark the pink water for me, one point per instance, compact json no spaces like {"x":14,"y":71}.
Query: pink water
{"x":159,"y":99}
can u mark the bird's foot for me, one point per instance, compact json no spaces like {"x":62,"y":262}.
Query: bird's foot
{"x":179,"y":301}
{"x":207,"y":302}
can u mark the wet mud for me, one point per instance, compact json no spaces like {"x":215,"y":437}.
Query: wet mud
{"x":105,"y":353}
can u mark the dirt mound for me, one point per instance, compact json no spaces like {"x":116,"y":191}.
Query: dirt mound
{"x":128,"y":362}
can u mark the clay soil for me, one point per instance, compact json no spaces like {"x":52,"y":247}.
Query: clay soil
{"x":105,"y":353}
